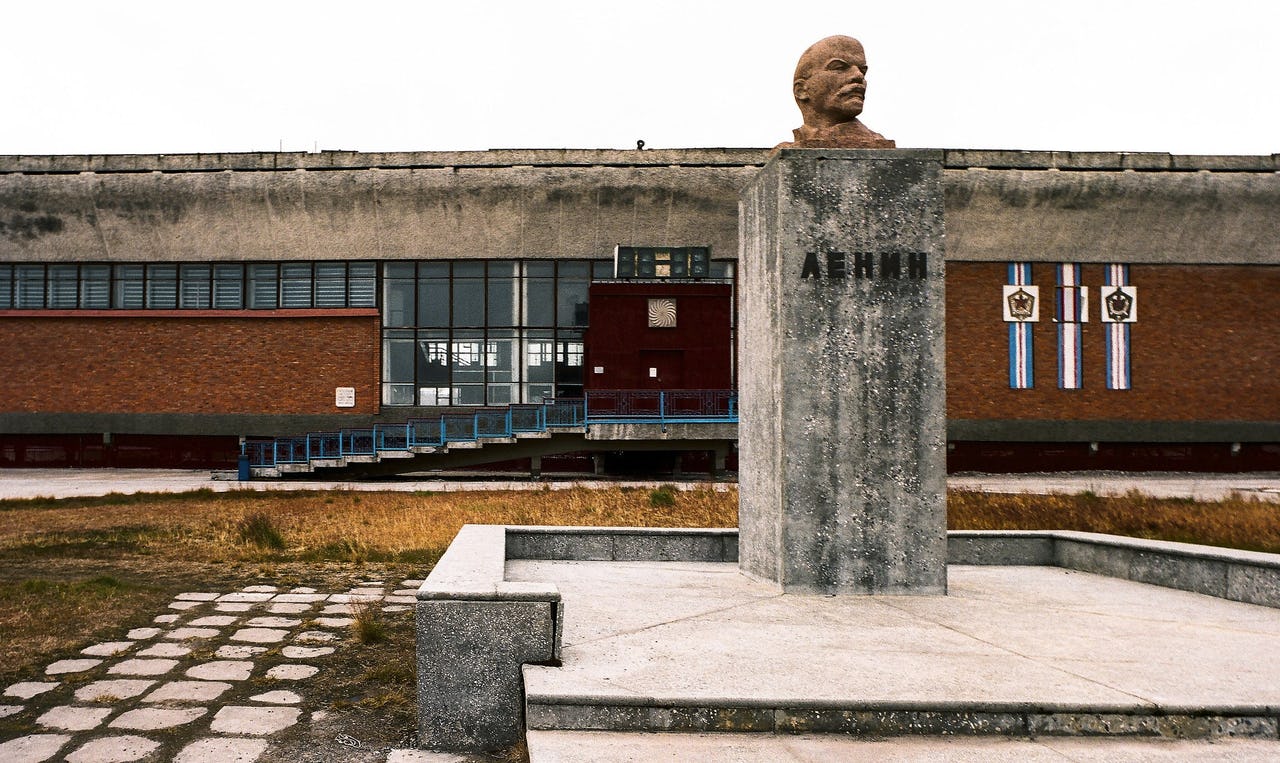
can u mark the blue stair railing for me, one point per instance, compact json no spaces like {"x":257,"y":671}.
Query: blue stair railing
{"x":421,"y":435}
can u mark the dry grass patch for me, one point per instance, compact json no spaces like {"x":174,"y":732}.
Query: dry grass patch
{"x":1244,"y":523}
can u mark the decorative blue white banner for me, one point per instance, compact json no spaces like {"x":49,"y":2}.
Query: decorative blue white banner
{"x":1119,"y":309}
{"x":1021,"y":310}
{"x":1072,"y":310}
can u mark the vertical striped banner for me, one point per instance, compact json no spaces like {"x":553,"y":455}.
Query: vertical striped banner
{"x":1021,"y":370}
{"x":1117,"y":336}
{"x":1071,"y":310}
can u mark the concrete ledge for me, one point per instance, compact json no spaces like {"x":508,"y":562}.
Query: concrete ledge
{"x":616,"y":544}
{"x":1015,"y":721}
{"x":474,"y":632}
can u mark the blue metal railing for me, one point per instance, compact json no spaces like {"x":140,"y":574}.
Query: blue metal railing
{"x":597,"y":406}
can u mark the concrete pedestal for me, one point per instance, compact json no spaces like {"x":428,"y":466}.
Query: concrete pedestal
{"x":842,"y":377}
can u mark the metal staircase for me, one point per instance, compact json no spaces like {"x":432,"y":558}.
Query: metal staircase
{"x":482,"y":427}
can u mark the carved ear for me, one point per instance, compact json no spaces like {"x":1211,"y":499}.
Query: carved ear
{"x":800,"y":90}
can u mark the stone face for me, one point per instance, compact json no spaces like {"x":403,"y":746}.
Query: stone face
{"x":116,"y":749}
{"x":842,"y":439}
{"x":29,"y":689}
{"x":222,"y":750}
{"x":165,"y":649}
{"x":292,"y":672}
{"x":188,"y":691}
{"x":152,"y":718}
{"x":108,"y":649}
{"x":182,"y":634}
{"x":32,"y":748}
{"x":238,"y":652}
{"x":305,"y":652}
{"x":110,"y":691}
{"x":70,"y":666}
{"x":259,"y":635}
{"x":216,"y":621}
{"x":222,"y":670}
{"x":278,"y":697}
{"x":73,"y":718}
{"x":143,"y":667}
{"x":254,"y":721}
{"x":273,"y":622}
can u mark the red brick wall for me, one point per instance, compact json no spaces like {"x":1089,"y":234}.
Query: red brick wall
{"x":183,"y":363}
{"x":1206,"y":347}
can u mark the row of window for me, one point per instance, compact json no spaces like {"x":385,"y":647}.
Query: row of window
{"x":192,"y":286}
{"x":480,"y":367}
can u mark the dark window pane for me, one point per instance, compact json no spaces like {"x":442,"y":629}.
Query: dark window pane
{"x":362,"y":284}
{"x":6,"y":287}
{"x":433,"y":302}
{"x":95,"y":286}
{"x":128,"y":291}
{"x":64,"y":286}
{"x":601,"y":269}
{"x":397,"y":302}
{"x":195,"y":287}
{"x":571,"y":302}
{"x":501,"y":307}
{"x":331,"y":284}
{"x":295,"y":284}
{"x":263,"y":287}
{"x":576,"y":270}
{"x":29,"y":289}
{"x":162,"y":286}
{"x":539,"y":268}
{"x":398,"y":270}
{"x":397,"y":357}
{"x":539,"y":302}
{"x":433,"y":270}
{"x":468,"y":302}
{"x":468,"y":270}
{"x":228,"y":286}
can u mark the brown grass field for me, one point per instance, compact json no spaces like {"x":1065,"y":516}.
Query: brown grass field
{"x":74,"y":571}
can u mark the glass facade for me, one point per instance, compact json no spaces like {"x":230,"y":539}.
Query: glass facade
{"x":188,"y":286}
{"x":484,"y":332}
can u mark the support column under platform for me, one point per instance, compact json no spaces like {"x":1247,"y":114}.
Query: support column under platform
{"x":843,"y":419}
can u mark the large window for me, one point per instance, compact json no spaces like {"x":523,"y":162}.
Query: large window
{"x":188,"y":286}
{"x":479,"y":332}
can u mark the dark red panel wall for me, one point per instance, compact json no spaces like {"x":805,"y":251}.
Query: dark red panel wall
{"x":695,"y":354}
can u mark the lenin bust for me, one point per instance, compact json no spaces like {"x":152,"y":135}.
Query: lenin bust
{"x":830,"y":87}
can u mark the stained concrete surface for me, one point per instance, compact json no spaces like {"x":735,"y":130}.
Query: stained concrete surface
{"x":1013,"y":638}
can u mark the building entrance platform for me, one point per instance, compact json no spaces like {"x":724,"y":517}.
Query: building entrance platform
{"x":1018,"y":652}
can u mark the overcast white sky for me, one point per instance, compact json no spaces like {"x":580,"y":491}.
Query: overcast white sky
{"x":375,"y":75}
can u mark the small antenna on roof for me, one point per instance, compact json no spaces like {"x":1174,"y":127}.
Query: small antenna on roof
{"x":639,"y":145}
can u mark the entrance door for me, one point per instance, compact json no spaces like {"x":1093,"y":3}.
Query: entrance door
{"x":662,"y":369}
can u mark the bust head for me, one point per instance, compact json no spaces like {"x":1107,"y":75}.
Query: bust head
{"x":830,"y":82}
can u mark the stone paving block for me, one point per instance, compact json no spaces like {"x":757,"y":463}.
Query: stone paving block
{"x":260,"y":589}
{"x":222,"y":670}
{"x":113,"y":750}
{"x":143,"y":667}
{"x":165,"y":649}
{"x":71,"y":666}
{"x":152,"y":718}
{"x":273,"y":622}
{"x":300,"y":598}
{"x":333,"y":622}
{"x":8,"y":710}
{"x":314,"y":637}
{"x":231,"y":606}
{"x":188,"y":691}
{"x":143,"y":633}
{"x":254,"y":721}
{"x":305,"y":652}
{"x":33,"y":748}
{"x":112,"y":690}
{"x":365,"y":592}
{"x":107,"y":649}
{"x":372,"y":583}
{"x":413,"y":592}
{"x":277,"y":697}
{"x":349,"y":598}
{"x":415,"y":584}
{"x":197,"y":596}
{"x":29,"y":689}
{"x":183,"y":606}
{"x":259,"y":635}
{"x":302,"y":589}
{"x":216,"y":621}
{"x":292,"y":672}
{"x":401,"y":599}
{"x":222,"y":750}
{"x":238,"y":652}
{"x":424,"y":756}
{"x":166,"y":619}
{"x":71,"y":718}
{"x":396,"y":608}
{"x":287,"y":609}
{"x":244,"y":597}
{"x":182,"y":634}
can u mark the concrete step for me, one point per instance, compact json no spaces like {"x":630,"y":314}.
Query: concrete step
{"x":396,"y":453}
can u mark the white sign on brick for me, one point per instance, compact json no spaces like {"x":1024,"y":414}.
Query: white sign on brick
{"x":344,"y":397}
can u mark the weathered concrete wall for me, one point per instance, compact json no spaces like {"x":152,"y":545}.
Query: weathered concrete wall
{"x":842,"y":377}
{"x":1044,"y":206}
